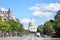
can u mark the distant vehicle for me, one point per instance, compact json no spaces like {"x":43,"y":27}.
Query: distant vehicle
{"x":38,"y":34}
{"x":53,"y":34}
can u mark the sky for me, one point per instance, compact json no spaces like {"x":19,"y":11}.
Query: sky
{"x":39,"y":10}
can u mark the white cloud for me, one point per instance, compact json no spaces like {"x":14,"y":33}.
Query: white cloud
{"x":42,"y":14}
{"x":34,"y":8}
{"x":51,"y":6}
{"x":3,"y":9}
{"x":40,"y":10}
{"x":27,"y":20}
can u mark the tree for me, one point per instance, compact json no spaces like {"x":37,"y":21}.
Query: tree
{"x":52,"y":25}
{"x":11,"y":25}
{"x":49,"y":25}
{"x":4,"y":27}
{"x":40,"y":28}
{"x":15,"y":26}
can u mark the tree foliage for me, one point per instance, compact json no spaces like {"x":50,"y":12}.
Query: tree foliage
{"x":11,"y":25}
{"x":40,"y":28}
{"x":51,"y":25}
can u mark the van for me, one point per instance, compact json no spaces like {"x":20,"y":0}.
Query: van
{"x":38,"y":34}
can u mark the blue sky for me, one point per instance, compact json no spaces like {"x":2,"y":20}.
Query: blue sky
{"x":39,"y":10}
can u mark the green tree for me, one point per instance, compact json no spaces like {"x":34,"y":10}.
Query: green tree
{"x":14,"y":25}
{"x":49,"y":26}
{"x":4,"y":27}
{"x":11,"y":25}
{"x":40,"y":28}
{"x":57,"y":25}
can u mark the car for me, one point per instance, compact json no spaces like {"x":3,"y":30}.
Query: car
{"x":53,"y":34}
{"x":38,"y":34}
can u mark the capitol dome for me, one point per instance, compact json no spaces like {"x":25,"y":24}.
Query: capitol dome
{"x":32,"y":27}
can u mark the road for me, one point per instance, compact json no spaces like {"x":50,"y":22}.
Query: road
{"x":26,"y":38}
{"x":20,"y":38}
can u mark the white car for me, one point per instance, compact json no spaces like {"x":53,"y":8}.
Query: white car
{"x":38,"y":34}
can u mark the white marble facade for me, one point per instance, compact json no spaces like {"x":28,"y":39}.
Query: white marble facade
{"x":32,"y":27}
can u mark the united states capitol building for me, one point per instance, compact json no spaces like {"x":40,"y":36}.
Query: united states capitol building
{"x":6,"y":14}
{"x":32,"y":28}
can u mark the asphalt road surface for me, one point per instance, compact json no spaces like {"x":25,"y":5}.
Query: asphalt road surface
{"x":26,"y":38}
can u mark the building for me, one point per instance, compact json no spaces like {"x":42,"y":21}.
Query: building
{"x":32,"y":28}
{"x":6,"y":14}
{"x":57,"y":16}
